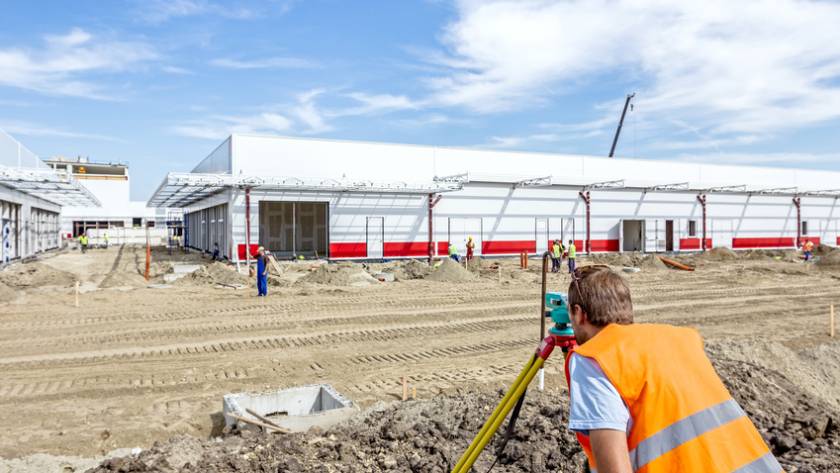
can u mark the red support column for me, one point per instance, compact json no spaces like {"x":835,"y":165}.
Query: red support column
{"x":587,"y":198}
{"x":797,"y":202}
{"x":433,"y":200}
{"x":702,"y":199}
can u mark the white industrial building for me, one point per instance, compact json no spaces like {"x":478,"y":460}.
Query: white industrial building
{"x":343,"y":199}
{"x":31,"y":197}
{"x":117,"y":214}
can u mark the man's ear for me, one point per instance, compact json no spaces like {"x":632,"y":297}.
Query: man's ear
{"x":578,"y":315}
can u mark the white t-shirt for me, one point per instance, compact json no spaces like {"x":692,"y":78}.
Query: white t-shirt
{"x":595,"y":403}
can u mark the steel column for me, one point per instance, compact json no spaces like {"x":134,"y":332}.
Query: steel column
{"x":587,"y":198}
{"x":433,"y":200}
{"x":798,"y":203}
{"x":702,"y":199}
{"x":248,"y":226}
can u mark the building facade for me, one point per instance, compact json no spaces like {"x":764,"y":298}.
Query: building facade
{"x":344,"y":200}
{"x":110,"y":183}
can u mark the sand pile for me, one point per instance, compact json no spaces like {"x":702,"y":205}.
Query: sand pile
{"x":829,"y":260}
{"x":215,"y":273}
{"x":26,"y":275}
{"x":430,"y":435}
{"x":450,"y":271}
{"x":411,"y":269}
{"x":720,"y":253}
{"x":343,"y":274}
{"x":822,"y":249}
{"x":7,"y":294}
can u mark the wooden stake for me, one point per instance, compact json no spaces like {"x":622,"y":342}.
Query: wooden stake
{"x":77,"y":293}
{"x":831,"y":322}
{"x":260,"y":424}
{"x":405,"y":389}
{"x":262,"y":418}
{"x":414,"y":392}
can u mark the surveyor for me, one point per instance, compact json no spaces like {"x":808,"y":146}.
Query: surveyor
{"x":470,"y":249}
{"x":556,"y":256}
{"x":83,"y":242}
{"x":645,"y":395}
{"x":808,"y":250}
{"x":262,"y":272}
{"x":572,"y":255}
{"x":453,"y":252}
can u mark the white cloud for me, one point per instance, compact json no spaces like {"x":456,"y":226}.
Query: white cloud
{"x":179,"y":71}
{"x":376,"y":103}
{"x":160,"y":11}
{"x":219,"y":127}
{"x":731,"y":68}
{"x":308,"y":114}
{"x":264,"y":63}
{"x":31,"y":129}
{"x":61,"y":67}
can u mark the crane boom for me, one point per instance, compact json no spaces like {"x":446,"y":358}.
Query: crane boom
{"x":621,"y":123}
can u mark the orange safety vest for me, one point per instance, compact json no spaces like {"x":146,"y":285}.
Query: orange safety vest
{"x":684,"y":419}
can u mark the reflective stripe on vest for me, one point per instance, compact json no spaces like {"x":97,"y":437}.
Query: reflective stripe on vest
{"x":683,"y":431}
{"x":765,"y":464}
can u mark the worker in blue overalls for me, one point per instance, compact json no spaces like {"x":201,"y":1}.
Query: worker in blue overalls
{"x":262,"y":272}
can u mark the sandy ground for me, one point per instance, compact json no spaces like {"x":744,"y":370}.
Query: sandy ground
{"x":135,"y":364}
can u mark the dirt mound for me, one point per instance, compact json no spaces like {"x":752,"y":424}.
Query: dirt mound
{"x":430,"y":435}
{"x":343,"y":274}
{"x":36,"y":274}
{"x":411,"y":269}
{"x":450,"y":271}
{"x":720,"y":253}
{"x":215,"y":273}
{"x":829,"y":260}
{"x":7,"y":294}
{"x":822,"y":249}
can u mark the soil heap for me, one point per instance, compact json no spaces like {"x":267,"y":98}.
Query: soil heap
{"x":430,"y":435}
{"x":450,"y":271}
{"x":342,"y":274}
{"x":215,"y":273}
{"x":7,"y":294}
{"x":721,"y":253}
{"x":35,"y":274}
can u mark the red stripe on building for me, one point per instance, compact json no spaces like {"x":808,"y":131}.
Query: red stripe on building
{"x":508,"y":247}
{"x":241,"y":250}
{"x":604,"y":245}
{"x":693,"y":243}
{"x":409,"y":248}
{"x":443,"y":248}
{"x":348,"y":250}
{"x":772,"y":242}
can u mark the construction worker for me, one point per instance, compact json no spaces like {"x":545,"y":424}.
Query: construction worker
{"x":470,"y":249}
{"x":808,"y":249}
{"x":644,"y":397}
{"x":105,"y":239}
{"x":217,"y":253}
{"x":556,"y":256}
{"x":453,"y":253}
{"x":572,"y":256}
{"x":83,"y":242}
{"x":262,"y":272}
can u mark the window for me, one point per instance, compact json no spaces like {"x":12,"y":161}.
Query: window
{"x":136,"y":222}
{"x":804,"y":227}
{"x":692,"y":228}
{"x":150,"y":223}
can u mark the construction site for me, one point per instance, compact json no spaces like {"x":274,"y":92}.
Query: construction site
{"x":400,"y":306}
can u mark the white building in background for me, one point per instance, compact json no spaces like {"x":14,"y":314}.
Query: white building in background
{"x":31,"y":198}
{"x":109,"y":182}
{"x":343,"y":199}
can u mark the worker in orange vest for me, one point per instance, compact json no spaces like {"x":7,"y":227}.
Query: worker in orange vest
{"x":644,"y":397}
{"x":808,"y":249}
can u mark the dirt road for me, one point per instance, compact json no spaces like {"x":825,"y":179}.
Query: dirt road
{"x":135,"y":364}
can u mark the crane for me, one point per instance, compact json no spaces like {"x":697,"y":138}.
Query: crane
{"x":621,"y":123}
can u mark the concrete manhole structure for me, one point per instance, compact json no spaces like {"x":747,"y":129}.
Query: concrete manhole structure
{"x":295,"y":409}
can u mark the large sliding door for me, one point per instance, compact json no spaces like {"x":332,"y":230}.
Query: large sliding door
{"x":294,"y":228}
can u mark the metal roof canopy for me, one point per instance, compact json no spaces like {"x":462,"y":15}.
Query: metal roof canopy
{"x":47,"y":184}
{"x":183,"y":189}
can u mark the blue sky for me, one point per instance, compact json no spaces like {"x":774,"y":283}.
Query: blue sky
{"x":159,"y":84}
